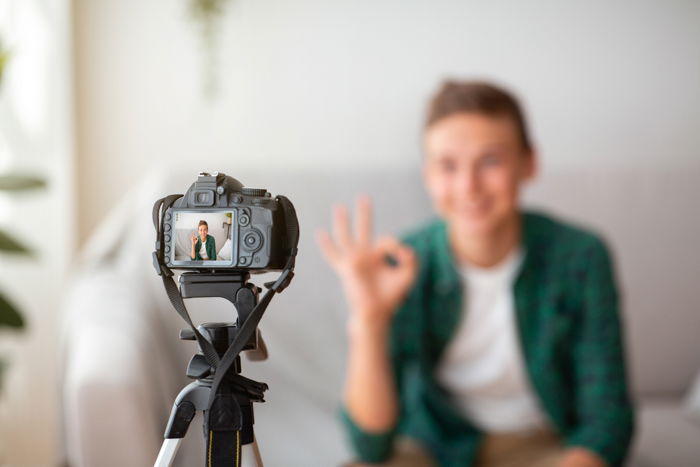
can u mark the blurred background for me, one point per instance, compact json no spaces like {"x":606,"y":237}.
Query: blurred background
{"x":98,"y":98}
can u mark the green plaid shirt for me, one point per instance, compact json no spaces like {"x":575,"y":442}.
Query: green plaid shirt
{"x":569,"y":328}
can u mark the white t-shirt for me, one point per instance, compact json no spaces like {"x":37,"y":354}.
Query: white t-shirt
{"x":483,"y":367}
{"x":203,"y":250}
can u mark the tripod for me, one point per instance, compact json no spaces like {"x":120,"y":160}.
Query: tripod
{"x":228,"y":425}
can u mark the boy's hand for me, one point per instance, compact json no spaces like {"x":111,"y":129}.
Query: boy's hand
{"x":373,"y":287}
{"x":581,"y":457}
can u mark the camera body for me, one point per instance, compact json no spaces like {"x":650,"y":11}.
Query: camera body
{"x":220,"y":224}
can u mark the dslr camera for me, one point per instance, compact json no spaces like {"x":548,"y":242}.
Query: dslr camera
{"x":220,"y":224}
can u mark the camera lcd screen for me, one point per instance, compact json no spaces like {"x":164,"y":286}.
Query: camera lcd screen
{"x":202,"y":238}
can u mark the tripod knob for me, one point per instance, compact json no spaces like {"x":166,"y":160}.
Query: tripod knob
{"x":187,"y":335}
{"x":198,"y":367}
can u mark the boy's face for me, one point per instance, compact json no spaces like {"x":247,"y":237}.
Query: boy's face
{"x":474,"y":166}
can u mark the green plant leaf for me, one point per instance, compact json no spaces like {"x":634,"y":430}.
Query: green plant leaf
{"x":20,"y":182}
{"x":10,"y":245}
{"x":207,"y":10}
{"x":9,"y":316}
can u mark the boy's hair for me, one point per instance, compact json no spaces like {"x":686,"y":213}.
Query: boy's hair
{"x":478,"y":97}
{"x":203,"y":223}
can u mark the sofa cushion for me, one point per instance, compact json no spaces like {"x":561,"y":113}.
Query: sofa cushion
{"x":665,"y":435}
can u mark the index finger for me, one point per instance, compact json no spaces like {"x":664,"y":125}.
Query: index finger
{"x":341,"y":226}
{"x":363,"y":223}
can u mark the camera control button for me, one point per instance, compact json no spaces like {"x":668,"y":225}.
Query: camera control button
{"x":244,"y":220}
{"x":167,"y":227}
{"x":167,"y":237}
{"x":252,"y":240}
{"x":243,"y":260}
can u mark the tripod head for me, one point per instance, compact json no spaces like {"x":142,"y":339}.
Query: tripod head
{"x":235,"y":288}
{"x":232,"y":286}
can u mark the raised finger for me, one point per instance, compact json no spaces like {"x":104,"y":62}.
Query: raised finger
{"x":363,"y":223}
{"x":341,"y":226}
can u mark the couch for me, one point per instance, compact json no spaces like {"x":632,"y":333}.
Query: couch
{"x":124,"y":365}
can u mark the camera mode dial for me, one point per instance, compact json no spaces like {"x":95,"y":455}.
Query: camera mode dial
{"x":253,"y":191}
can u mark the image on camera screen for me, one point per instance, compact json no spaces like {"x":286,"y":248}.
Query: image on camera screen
{"x":202,"y":238}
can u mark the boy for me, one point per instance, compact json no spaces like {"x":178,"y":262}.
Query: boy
{"x":492,"y":337}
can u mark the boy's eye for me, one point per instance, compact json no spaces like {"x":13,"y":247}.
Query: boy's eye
{"x":447,"y":165}
{"x":490,"y":160}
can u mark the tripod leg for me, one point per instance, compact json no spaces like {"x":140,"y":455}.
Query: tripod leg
{"x":167,"y":453}
{"x":251,"y":455}
{"x":180,"y":417}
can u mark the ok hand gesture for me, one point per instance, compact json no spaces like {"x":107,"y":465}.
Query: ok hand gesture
{"x":373,"y":286}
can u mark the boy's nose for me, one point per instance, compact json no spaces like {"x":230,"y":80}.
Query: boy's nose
{"x":469,"y":181}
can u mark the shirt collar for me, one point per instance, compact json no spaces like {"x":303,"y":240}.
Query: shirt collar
{"x":447,"y":278}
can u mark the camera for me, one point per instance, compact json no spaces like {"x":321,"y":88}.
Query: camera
{"x":220,"y":224}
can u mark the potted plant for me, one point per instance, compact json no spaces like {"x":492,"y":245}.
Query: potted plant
{"x":10,"y":316}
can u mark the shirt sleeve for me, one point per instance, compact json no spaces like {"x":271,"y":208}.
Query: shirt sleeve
{"x":604,"y":413}
{"x":368,"y":446}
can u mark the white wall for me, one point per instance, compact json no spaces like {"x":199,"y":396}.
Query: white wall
{"x":608,"y":85}
{"x":190,"y":221}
